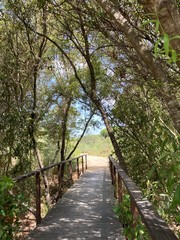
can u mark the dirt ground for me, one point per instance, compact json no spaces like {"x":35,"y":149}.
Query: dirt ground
{"x":97,"y":161}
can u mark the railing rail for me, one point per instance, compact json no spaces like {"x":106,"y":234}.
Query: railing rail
{"x":37,"y":173}
{"x":155,"y":225}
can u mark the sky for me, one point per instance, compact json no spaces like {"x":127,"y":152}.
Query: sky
{"x":96,"y":130}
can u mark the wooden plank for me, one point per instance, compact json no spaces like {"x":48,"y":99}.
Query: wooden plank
{"x":84,"y":212}
{"x":38,"y":198}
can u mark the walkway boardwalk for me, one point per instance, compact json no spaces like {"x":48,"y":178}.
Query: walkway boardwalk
{"x":85,"y":211}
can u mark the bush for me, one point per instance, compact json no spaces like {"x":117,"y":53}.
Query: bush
{"x":123,"y":211}
{"x":10,"y":209}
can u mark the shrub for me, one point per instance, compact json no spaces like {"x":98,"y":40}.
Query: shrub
{"x":123,"y":211}
{"x":10,"y":209}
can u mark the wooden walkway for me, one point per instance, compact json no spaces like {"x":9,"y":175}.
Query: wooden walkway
{"x":85,"y":211}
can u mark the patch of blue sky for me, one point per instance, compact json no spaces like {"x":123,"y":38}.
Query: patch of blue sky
{"x":96,"y":125}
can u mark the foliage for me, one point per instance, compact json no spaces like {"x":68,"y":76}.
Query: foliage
{"x":104,"y":133}
{"x":123,"y":211}
{"x":152,"y":147}
{"x":95,"y":145}
{"x":10,"y":209}
{"x":109,"y":58}
{"x":163,"y":44}
{"x":166,"y":49}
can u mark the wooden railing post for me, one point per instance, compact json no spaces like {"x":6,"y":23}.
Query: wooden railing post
{"x":70,"y":172}
{"x":135,"y":214}
{"x":114,"y":181}
{"x":120,"y":189}
{"x":82,"y":164}
{"x":38,"y":198}
{"x":86,"y":160}
{"x":37,"y":173}
{"x":154,"y":224}
{"x":111,"y":170}
{"x":77,"y":167}
{"x":59,"y":182}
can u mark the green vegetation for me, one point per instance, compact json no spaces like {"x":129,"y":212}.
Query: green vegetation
{"x":10,"y":209}
{"x":123,"y":211}
{"x":63,"y":62}
{"x":95,"y":145}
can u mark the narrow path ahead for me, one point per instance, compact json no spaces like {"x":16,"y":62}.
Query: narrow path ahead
{"x":86,"y":209}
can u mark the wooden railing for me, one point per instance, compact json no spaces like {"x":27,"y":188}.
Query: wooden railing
{"x":155,"y":225}
{"x":82,"y":159}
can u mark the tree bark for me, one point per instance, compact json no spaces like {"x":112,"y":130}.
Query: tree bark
{"x":44,"y":176}
{"x":111,"y":135}
{"x":37,"y":58}
{"x":152,"y":65}
{"x":66,"y":106}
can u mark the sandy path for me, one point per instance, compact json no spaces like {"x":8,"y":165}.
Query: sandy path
{"x":97,"y":161}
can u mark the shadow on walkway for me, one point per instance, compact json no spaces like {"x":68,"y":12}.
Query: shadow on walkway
{"x":84,"y":212}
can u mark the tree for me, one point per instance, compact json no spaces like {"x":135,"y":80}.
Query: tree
{"x":119,"y":58}
{"x":153,"y":66}
{"x":80,"y":40}
{"x":166,"y":12}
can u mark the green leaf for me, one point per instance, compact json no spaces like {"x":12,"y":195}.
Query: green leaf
{"x":176,"y":198}
{"x":174,"y":56}
{"x":166,"y":43}
{"x":156,"y":49}
{"x":175,"y":37}
{"x":157,"y":25}
{"x":170,"y":184}
{"x":169,"y":60}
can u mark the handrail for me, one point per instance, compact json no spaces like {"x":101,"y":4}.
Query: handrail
{"x":37,"y":173}
{"x":155,"y":225}
{"x":24,"y":176}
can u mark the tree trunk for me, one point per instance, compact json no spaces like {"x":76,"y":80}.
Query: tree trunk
{"x":44,"y":176}
{"x":111,"y":135}
{"x":66,"y":106}
{"x":154,"y":67}
{"x":34,"y":120}
{"x":169,"y":17}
